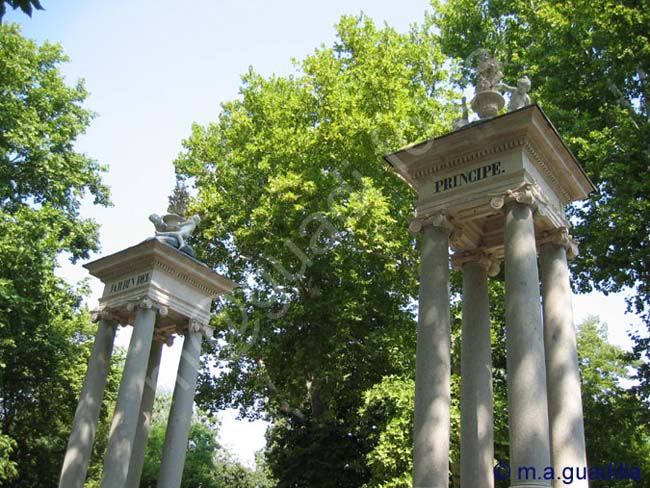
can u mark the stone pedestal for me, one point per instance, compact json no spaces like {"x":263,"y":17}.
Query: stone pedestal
{"x":161,"y":291}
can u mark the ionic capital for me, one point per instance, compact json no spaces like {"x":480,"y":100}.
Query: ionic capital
{"x":526,"y":193}
{"x":438,"y":221}
{"x":195,"y":326}
{"x":105,"y":314}
{"x":479,"y":256}
{"x":146,"y":303}
{"x":560,"y":237}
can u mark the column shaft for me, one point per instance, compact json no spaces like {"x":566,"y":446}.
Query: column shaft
{"x":84,"y":426}
{"x":432,"y":373}
{"x":146,"y":409}
{"x":125,"y":418}
{"x":527,"y":407}
{"x":180,"y":415}
{"x":476,"y":428}
{"x":563,"y":375}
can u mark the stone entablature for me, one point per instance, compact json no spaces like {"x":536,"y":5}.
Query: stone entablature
{"x":159,"y":274}
{"x":470,"y":174}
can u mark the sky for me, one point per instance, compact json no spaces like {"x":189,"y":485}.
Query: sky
{"x":153,"y":68}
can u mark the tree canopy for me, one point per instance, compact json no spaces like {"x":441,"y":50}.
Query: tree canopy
{"x":45,"y":335}
{"x":298,"y":206}
{"x":207,"y":464}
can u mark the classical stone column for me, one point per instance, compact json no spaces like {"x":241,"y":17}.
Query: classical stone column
{"x":476,"y":417}
{"x":527,"y":407}
{"x":125,"y":424}
{"x":432,"y":369}
{"x":146,"y":408}
{"x":84,"y":426}
{"x":563,"y":375}
{"x":180,"y":415}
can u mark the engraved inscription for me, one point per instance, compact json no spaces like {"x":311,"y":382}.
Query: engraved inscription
{"x":130,"y":282}
{"x":470,"y":176}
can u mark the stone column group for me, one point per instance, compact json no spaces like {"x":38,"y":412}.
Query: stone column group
{"x":124,"y":457}
{"x":544,"y":401}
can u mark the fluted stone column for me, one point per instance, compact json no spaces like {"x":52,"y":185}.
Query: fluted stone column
{"x":180,"y":415}
{"x":527,"y":406}
{"x":563,"y":376}
{"x":432,"y":370}
{"x":476,"y":416}
{"x":125,"y":424}
{"x":84,"y":426}
{"x":146,"y":409}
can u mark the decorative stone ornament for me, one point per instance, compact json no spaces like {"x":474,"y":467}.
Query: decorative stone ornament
{"x":174,"y":230}
{"x":480,"y":256}
{"x":560,"y":237}
{"x":487,"y":100}
{"x":519,"y":97}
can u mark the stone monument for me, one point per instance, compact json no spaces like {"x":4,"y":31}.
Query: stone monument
{"x":161,"y":290}
{"x":496,"y":189}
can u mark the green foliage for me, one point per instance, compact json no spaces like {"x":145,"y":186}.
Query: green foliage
{"x":45,"y":337}
{"x":298,"y":206}
{"x":388,"y":407}
{"x":606,"y":402}
{"x":207,"y":464}
{"x":589,"y":63}
{"x":8,"y":467}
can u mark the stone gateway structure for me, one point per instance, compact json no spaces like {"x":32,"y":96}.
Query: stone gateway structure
{"x":162,"y":292}
{"x":496,"y":189}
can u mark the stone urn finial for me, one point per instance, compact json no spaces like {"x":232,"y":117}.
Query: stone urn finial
{"x":487,"y":101}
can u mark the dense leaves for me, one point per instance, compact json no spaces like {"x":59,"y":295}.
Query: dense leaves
{"x":298,"y":206}
{"x":207,"y":464}
{"x":45,"y":336}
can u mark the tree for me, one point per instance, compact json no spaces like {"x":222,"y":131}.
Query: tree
{"x":26,"y":6}
{"x":207,"y":464}
{"x":604,"y":367}
{"x":45,"y":335}
{"x":589,"y":64}
{"x":298,"y":206}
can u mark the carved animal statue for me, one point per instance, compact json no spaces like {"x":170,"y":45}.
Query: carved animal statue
{"x":172,"y":225}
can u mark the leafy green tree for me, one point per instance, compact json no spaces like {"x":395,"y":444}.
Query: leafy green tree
{"x":45,"y":336}
{"x":607,"y":402}
{"x":589,"y":63}
{"x":207,"y":464}
{"x":299,"y":207}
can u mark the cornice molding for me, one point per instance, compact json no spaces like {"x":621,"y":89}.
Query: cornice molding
{"x":468,"y":157}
